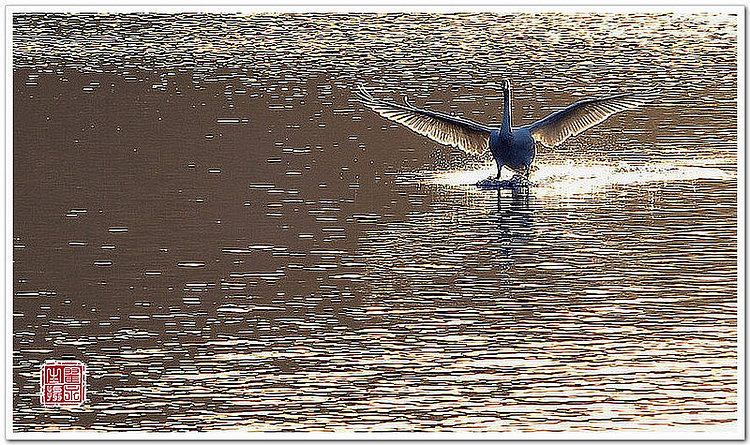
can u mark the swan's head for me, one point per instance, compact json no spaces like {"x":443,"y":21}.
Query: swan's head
{"x":506,"y":85}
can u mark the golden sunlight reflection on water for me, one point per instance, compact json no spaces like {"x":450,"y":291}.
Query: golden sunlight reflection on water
{"x":575,"y":177}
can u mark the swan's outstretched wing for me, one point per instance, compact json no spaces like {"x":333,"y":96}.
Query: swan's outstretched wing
{"x":467,"y":135}
{"x":554,"y":129}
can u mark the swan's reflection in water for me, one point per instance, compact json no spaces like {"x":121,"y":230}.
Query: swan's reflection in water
{"x":516,"y":202}
{"x":513,"y":218}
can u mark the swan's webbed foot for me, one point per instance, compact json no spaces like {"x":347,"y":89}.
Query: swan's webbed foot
{"x":489,"y":182}
{"x":496,"y":183}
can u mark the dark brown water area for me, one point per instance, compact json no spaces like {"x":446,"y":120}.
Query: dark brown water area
{"x":205,"y":216}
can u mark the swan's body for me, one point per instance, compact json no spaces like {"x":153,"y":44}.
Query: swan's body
{"x":511,"y":148}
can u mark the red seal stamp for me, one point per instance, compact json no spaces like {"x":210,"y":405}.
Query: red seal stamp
{"x":63,"y":383}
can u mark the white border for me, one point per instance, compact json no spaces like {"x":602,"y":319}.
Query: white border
{"x":8,"y":245}
{"x":640,"y":6}
{"x":741,"y":116}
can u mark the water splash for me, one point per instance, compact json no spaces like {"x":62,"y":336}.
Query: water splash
{"x":571,"y":178}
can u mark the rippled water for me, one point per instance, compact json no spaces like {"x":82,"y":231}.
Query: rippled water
{"x":229,"y":241}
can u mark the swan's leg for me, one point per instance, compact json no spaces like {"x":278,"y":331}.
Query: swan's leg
{"x":499,"y":170}
{"x":527,"y":172}
{"x":522,"y":179}
{"x":492,"y":181}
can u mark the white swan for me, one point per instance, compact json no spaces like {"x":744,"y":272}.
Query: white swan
{"x":511,"y":148}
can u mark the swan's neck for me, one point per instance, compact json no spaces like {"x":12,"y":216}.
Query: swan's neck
{"x":506,"y":112}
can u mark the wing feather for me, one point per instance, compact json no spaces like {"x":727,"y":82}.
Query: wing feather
{"x":467,"y":135}
{"x":554,"y":129}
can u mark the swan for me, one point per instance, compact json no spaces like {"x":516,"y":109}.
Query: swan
{"x":513,"y":148}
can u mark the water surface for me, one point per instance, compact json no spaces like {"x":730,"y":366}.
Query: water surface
{"x":206,"y":217}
